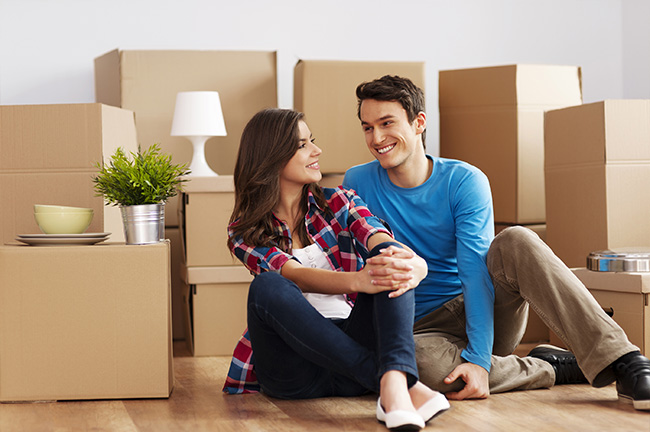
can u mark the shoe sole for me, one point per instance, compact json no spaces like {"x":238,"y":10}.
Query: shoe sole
{"x":642,"y":405}
{"x":433,"y":407}
{"x":403,"y":428}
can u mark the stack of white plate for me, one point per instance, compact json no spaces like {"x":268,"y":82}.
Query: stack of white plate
{"x":62,"y":239}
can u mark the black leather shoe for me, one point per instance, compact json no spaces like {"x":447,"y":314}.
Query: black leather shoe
{"x":633,"y":379}
{"x":564,"y":363}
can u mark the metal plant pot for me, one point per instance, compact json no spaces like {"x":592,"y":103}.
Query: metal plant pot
{"x":144,"y":224}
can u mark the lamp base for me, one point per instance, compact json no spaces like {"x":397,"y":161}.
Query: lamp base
{"x":199,"y":166}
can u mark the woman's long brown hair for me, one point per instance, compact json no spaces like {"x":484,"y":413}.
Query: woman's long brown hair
{"x":268,"y":142}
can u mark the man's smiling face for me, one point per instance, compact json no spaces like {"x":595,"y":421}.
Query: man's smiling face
{"x":391,"y":138}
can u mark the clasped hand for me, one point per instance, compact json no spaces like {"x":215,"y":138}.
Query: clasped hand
{"x":397,"y":269}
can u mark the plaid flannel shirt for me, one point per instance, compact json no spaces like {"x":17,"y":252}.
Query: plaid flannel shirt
{"x":342,"y":234}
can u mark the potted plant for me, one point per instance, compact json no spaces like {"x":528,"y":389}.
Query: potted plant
{"x":140,"y":185}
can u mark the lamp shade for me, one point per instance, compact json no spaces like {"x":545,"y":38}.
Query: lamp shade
{"x":198,"y":113}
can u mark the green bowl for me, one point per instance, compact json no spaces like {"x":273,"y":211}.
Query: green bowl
{"x":63,"y":223}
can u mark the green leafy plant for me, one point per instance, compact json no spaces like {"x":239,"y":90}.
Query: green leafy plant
{"x":147,"y":177}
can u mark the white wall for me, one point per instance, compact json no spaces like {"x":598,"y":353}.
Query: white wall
{"x":47,"y":47}
{"x":636,"y":49}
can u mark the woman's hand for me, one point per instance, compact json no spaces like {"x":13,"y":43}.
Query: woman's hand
{"x":397,"y":269}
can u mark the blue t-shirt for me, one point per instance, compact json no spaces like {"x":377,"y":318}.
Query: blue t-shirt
{"x":448,"y":221}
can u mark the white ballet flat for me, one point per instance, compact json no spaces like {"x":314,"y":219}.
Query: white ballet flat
{"x":434,"y":406}
{"x":399,"y":420}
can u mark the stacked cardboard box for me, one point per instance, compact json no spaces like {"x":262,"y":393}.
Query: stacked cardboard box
{"x":597,"y":167}
{"x":493,"y":118}
{"x":216,"y":285}
{"x":325,"y":92}
{"x":85,"y":322}
{"x":47,"y":156}
{"x":147,"y":82}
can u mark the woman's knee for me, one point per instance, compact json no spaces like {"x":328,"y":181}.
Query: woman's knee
{"x":270,"y":286}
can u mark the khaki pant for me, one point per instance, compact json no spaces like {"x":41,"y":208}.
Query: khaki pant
{"x":525,"y":273}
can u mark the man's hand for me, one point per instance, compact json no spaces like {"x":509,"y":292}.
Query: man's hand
{"x":476,"y":379}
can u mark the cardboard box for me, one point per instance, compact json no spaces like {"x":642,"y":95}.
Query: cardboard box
{"x":626,"y":297}
{"x":85,"y":322}
{"x":147,"y":83}
{"x":597,"y":166}
{"x":493,"y":118}
{"x":47,"y":156}
{"x":325,"y":92}
{"x":215,"y":308}
{"x":207,"y":205}
{"x":331,"y":180}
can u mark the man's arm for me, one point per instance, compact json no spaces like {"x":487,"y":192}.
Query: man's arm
{"x":474,"y":233}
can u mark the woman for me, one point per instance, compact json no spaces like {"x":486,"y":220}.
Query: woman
{"x":302,"y":244}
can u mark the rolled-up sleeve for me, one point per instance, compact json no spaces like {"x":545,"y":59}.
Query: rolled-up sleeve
{"x":259,"y":259}
{"x":363,"y":224}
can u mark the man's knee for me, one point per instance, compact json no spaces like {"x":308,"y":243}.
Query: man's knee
{"x":514,"y":236}
{"x":512,"y":242}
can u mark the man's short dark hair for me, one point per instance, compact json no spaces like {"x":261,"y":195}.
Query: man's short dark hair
{"x":392,"y":88}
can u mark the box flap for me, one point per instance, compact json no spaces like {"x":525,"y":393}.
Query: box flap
{"x":108,"y":87}
{"x":627,"y":130}
{"x":509,"y":85}
{"x":614,"y":281}
{"x":549,"y":85}
{"x":609,"y":131}
{"x":214,"y":275}
{"x":222,"y":183}
{"x":574,"y":135}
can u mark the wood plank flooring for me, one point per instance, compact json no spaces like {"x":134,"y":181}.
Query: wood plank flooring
{"x":197,"y":404}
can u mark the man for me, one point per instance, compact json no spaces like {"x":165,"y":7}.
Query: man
{"x":472,"y":308}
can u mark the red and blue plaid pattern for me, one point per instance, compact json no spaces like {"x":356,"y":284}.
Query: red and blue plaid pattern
{"x":342,"y":234}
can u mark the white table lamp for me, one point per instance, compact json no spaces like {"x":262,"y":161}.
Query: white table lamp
{"x":197,"y":117}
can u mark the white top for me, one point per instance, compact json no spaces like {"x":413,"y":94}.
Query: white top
{"x":329,"y":305}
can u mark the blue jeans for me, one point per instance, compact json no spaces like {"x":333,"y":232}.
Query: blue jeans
{"x":300,"y":354}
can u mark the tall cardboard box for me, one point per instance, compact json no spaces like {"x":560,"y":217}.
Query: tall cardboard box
{"x":325,"y":92}
{"x":85,"y":322}
{"x":493,"y":118}
{"x":47,"y":156}
{"x":147,"y":82}
{"x":215,"y":308}
{"x":597,"y":173}
{"x":207,"y":203}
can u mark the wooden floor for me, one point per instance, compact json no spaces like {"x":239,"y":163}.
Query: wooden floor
{"x":197,"y":404}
